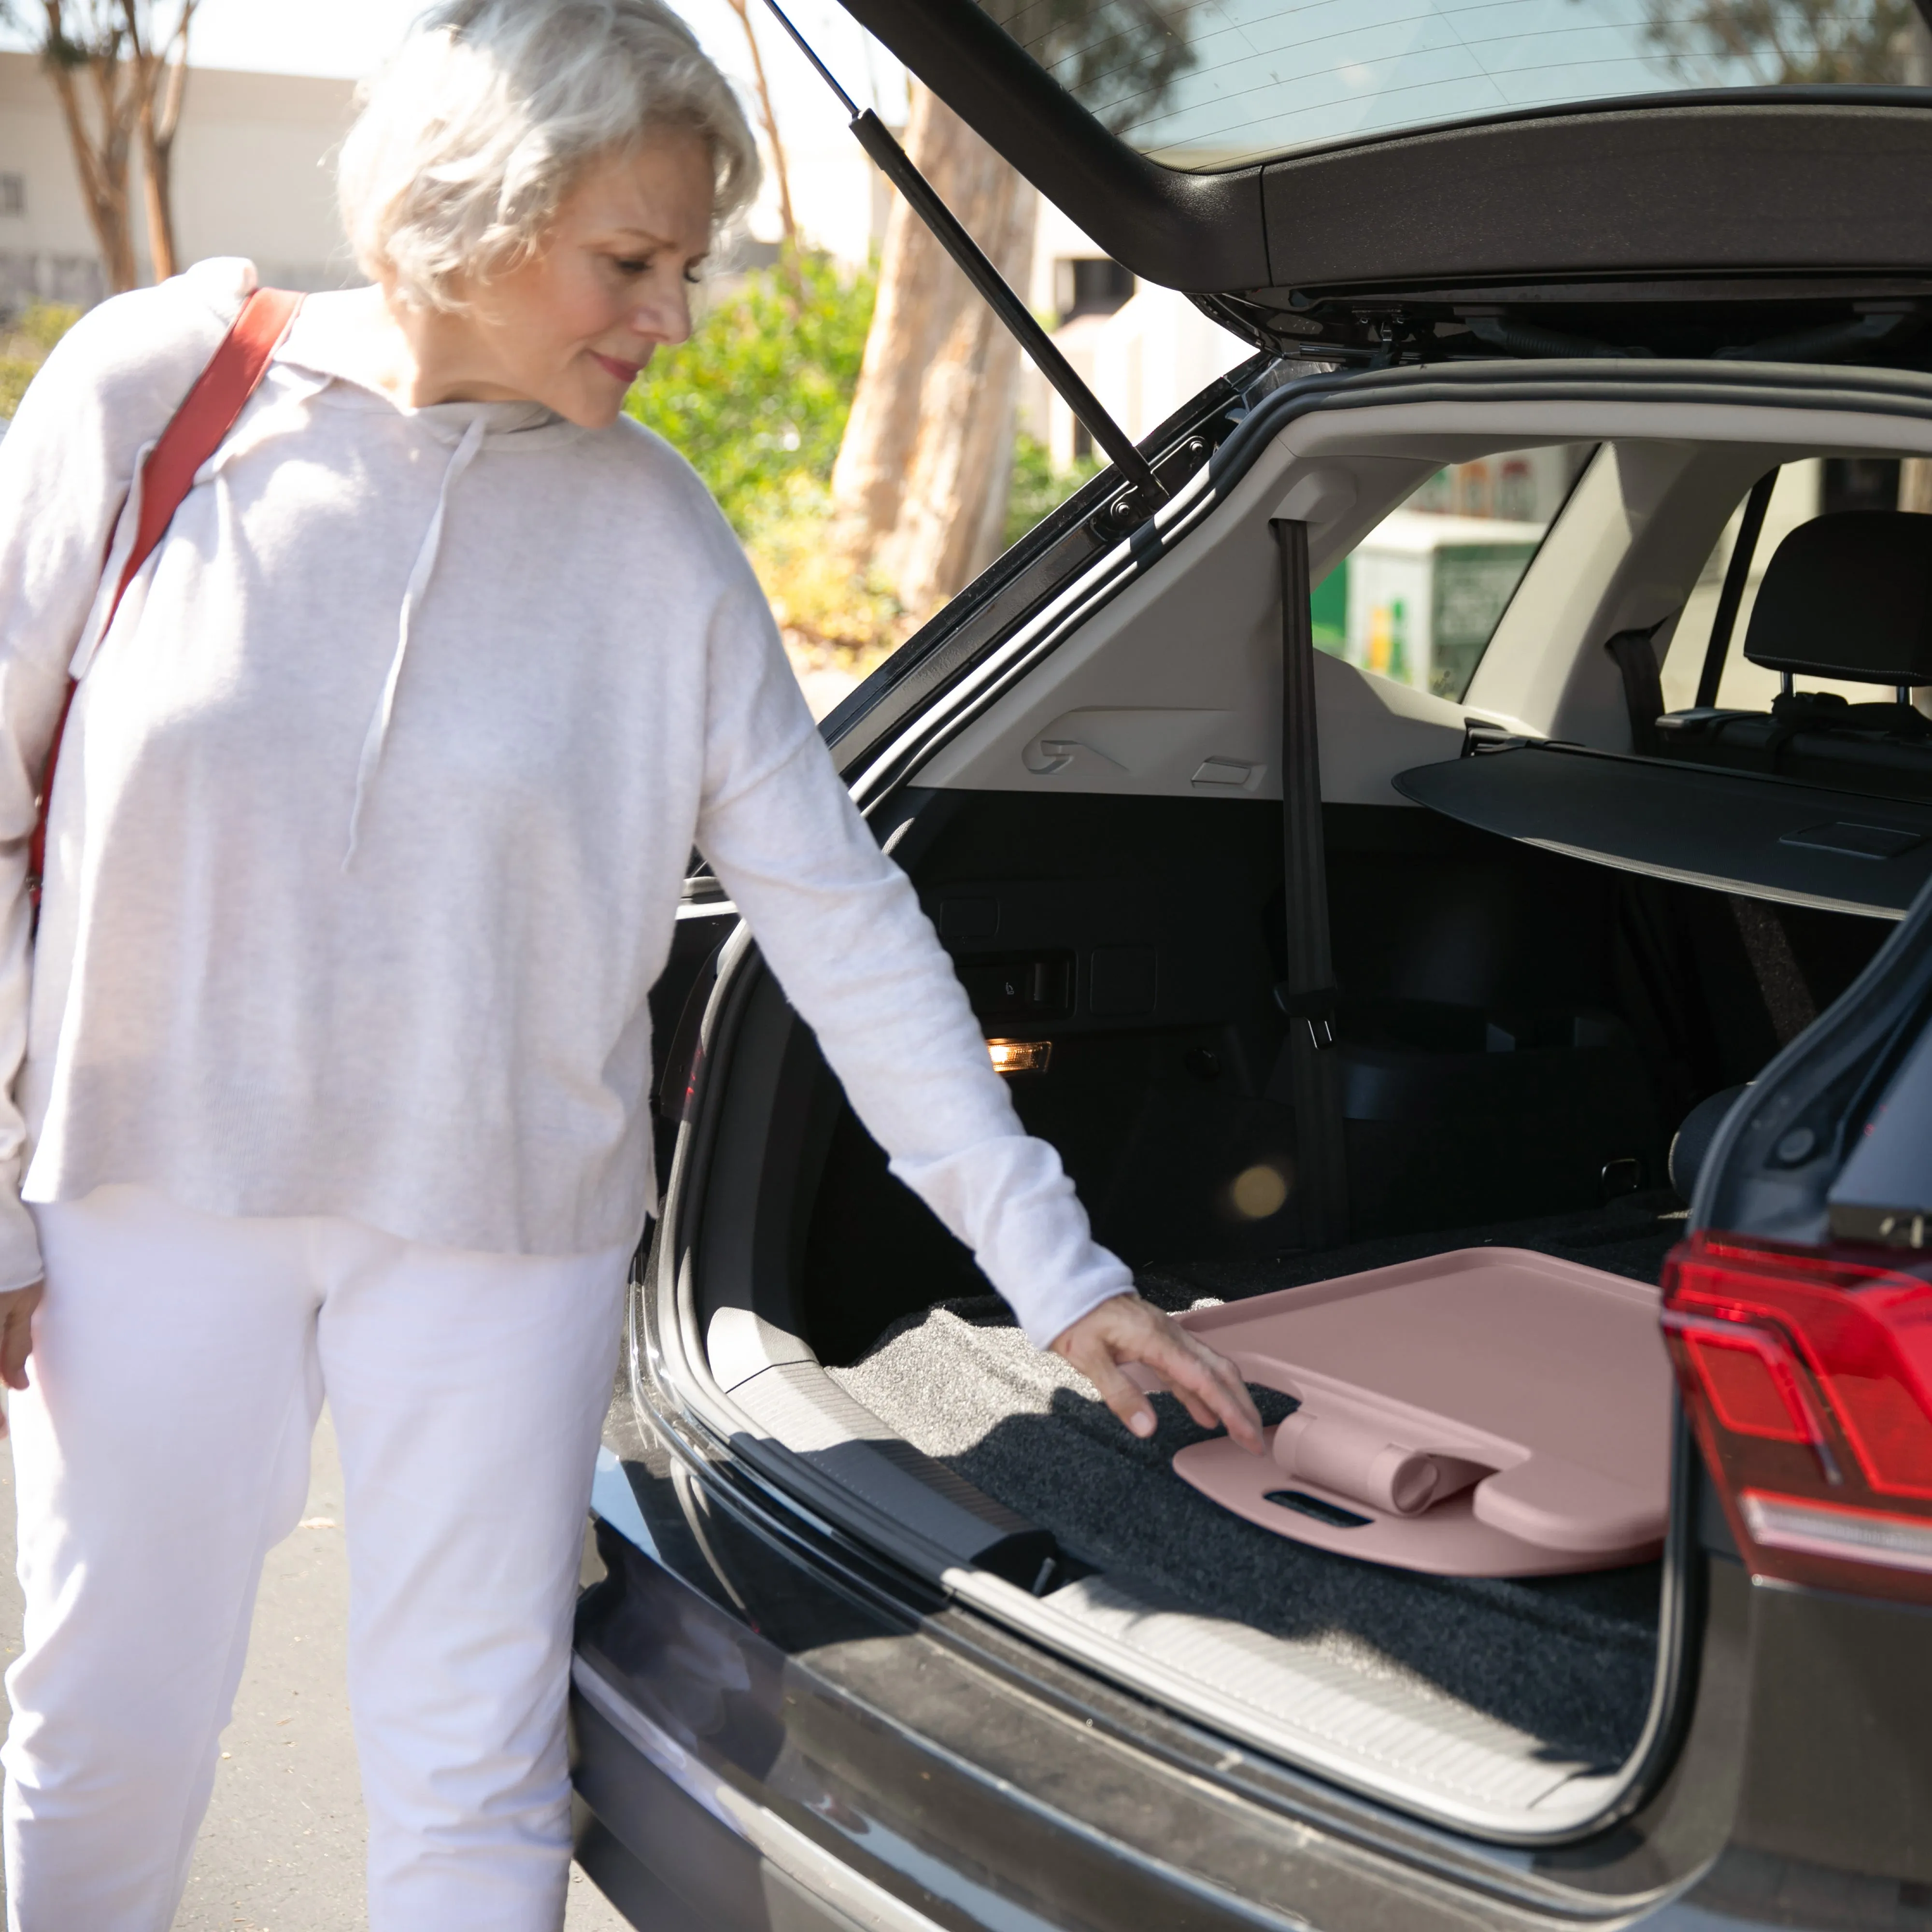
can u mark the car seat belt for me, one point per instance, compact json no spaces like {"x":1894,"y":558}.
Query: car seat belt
{"x":194,"y":433}
{"x":1307,"y":994}
{"x":1730,"y":598}
{"x":1636,"y":656}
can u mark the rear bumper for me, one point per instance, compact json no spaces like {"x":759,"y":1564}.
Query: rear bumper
{"x":743,"y":1783}
{"x":759,"y":1743}
{"x":682,"y":1864}
{"x":768,"y":1734}
{"x":672,"y":1863}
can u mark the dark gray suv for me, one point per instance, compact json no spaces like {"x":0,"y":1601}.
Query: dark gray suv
{"x":1475,"y":791}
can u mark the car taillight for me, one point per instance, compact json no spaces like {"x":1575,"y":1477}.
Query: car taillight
{"x":1808,"y":1375}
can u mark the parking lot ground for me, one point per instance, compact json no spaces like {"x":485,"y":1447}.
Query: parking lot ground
{"x":281,"y":1850}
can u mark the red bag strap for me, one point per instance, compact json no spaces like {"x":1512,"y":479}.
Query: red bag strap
{"x":194,"y":433}
{"x":200,"y":426}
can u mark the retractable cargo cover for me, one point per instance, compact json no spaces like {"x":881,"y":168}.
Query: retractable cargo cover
{"x":1737,"y":832}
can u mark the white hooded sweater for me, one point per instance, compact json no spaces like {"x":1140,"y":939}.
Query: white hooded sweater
{"x":373,"y":811}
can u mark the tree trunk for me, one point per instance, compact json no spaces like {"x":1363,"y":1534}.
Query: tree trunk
{"x":768,"y":114}
{"x":135,"y":81}
{"x":1915,"y":52}
{"x":102,"y":164}
{"x":156,"y":164}
{"x":163,"y":86}
{"x":920,"y":489}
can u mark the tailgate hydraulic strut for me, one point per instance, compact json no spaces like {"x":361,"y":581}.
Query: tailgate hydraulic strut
{"x":893,"y":161}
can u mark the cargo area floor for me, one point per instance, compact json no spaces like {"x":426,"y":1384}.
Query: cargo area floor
{"x":1547,"y":1679}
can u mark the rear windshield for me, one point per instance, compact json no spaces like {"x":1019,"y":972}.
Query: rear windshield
{"x":1202,"y":84}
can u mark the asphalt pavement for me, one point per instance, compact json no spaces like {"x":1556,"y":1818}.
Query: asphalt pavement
{"x":281,"y":1849}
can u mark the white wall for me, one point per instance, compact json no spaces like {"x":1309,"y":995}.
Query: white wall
{"x":1143,"y":362}
{"x":255,"y":174}
{"x":839,"y":200}
{"x":48,"y":249}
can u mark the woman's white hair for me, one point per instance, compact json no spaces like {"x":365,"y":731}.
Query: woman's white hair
{"x":470,"y":138}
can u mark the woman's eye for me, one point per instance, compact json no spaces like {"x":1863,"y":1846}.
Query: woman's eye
{"x":633,"y":264}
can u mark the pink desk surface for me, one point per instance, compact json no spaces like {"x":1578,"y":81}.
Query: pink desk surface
{"x":1540,"y":1386}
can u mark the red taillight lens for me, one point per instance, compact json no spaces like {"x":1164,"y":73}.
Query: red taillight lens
{"x":1751,"y":1381}
{"x":1807,"y":1374}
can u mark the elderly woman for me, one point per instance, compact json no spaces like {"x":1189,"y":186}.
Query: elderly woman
{"x":330,"y":1054}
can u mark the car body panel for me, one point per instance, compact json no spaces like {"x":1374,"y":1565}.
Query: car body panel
{"x":1777,"y":183}
{"x":780,"y":1723}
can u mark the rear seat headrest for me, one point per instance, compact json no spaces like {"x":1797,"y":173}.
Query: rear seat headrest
{"x":1848,"y":596}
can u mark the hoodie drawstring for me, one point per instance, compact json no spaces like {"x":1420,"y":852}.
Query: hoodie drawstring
{"x":419,"y":578}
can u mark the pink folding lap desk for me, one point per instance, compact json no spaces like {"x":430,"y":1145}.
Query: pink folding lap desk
{"x":1490,"y":1412}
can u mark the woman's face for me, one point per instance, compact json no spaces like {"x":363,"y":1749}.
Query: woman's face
{"x":572,"y":326}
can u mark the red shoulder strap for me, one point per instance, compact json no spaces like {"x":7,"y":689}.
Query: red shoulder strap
{"x":207,"y":412}
{"x":194,"y":433}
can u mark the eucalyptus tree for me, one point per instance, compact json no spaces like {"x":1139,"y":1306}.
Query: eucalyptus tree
{"x":920,"y":488}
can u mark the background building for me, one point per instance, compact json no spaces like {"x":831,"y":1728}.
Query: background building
{"x":252,"y":174}
{"x":1142,"y":350}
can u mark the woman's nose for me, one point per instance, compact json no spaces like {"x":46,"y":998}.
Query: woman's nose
{"x":665,"y":314}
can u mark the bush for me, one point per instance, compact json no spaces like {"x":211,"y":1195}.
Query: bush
{"x":1038,"y":488}
{"x":756,"y":402}
{"x":815,"y":595}
{"x":26,"y":345}
{"x":757,"y":399}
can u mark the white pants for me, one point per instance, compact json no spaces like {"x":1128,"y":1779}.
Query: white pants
{"x":180,"y":1361}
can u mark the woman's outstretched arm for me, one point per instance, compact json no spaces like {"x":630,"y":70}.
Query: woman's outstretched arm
{"x":840,"y":926}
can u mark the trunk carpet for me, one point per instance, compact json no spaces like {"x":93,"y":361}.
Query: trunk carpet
{"x":1567,"y":1659}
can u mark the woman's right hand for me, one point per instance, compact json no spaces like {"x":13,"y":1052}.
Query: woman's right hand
{"x":16,"y":1336}
{"x":1126,"y":1329}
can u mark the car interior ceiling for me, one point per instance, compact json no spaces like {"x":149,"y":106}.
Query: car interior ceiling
{"x":1521,"y":1034}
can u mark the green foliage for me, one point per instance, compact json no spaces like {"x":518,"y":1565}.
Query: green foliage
{"x":817,"y":596}
{"x":16,"y":373}
{"x":1038,"y":488}
{"x":757,"y":399}
{"x":1328,"y":608}
{"x":1782,"y":43}
{"x":1119,"y":58}
{"x":43,"y":324}
{"x":26,"y":345}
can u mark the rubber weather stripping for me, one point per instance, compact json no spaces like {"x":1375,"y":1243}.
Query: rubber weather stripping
{"x":893,"y":161}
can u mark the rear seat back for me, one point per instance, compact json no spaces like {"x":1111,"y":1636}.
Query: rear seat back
{"x":1847,"y":597}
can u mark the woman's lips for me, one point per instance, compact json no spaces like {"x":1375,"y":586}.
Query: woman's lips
{"x":626,"y":373}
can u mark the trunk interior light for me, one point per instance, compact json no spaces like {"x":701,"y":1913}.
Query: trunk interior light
{"x":1020,"y":1056}
{"x":1808,"y":1375}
